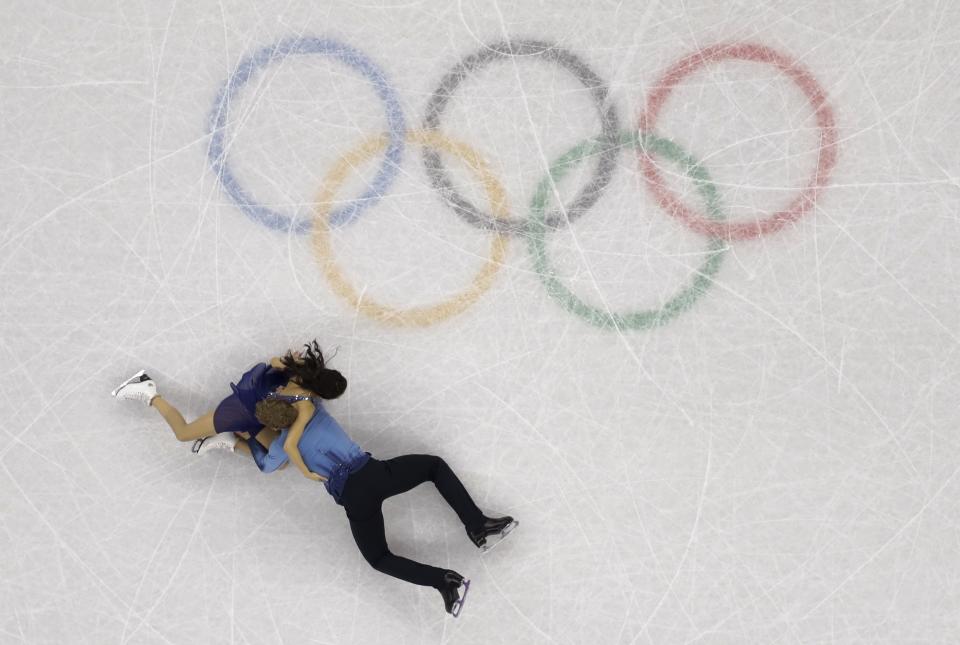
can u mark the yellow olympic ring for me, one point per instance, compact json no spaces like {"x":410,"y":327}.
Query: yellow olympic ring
{"x":416,"y":316}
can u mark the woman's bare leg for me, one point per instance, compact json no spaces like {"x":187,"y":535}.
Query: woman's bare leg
{"x":202,"y":427}
{"x":242,"y":448}
{"x":266,"y":437}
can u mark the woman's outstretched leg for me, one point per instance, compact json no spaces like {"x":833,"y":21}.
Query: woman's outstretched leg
{"x":140,"y":387}
{"x":202,"y":427}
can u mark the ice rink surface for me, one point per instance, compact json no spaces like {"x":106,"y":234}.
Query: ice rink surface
{"x":710,"y":362}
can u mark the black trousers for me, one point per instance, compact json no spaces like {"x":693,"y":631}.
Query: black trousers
{"x":363,"y":497}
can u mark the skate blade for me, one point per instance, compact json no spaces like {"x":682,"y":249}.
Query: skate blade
{"x":487,"y":547}
{"x":132,"y":379}
{"x":458,"y":605}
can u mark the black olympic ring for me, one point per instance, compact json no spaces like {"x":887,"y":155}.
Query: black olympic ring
{"x":609,"y":137}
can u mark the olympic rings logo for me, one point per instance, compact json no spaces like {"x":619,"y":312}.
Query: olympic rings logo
{"x":496,"y":218}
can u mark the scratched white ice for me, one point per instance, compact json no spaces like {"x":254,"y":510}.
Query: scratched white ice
{"x":728,"y":439}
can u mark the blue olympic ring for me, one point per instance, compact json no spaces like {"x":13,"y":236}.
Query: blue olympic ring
{"x":351,"y":57}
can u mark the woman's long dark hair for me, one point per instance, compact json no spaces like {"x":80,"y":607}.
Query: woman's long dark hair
{"x":311,"y":373}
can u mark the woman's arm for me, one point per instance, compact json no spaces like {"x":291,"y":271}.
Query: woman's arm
{"x":277,"y":361}
{"x":305,"y":410}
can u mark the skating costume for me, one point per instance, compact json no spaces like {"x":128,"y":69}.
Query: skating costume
{"x":236,"y":413}
{"x":325,"y":447}
{"x":360,"y":483}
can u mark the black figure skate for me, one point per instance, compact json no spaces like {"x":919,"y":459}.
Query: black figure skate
{"x":492,"y":532}
{"x":452,"y":600}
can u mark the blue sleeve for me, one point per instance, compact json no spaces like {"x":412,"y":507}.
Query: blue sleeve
{"x":269,"y":460}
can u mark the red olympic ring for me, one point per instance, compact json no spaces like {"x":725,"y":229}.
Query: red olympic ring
{"x":825,"y":120}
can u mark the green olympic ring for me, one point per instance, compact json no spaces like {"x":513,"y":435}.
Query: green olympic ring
{"x":643,"y":319}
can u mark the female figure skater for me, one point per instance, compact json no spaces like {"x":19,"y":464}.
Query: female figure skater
{"x":235,"y":414}
{"x":322,"y":451}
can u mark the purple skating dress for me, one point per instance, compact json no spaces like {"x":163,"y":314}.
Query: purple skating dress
{"x":236,"y":413}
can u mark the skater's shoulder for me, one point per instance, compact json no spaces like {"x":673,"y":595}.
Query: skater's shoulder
{"x":291,"y":389}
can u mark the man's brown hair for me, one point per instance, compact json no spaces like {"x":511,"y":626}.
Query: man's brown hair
{"x":275,"y":413}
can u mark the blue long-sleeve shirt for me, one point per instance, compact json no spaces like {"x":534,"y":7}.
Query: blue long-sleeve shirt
{"x":325,"y":447}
